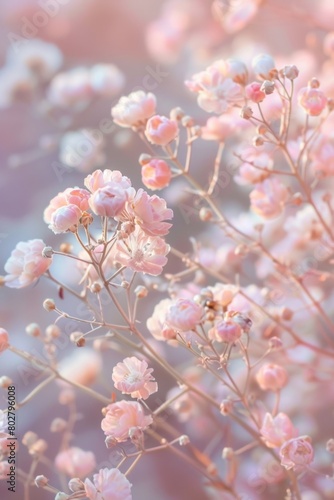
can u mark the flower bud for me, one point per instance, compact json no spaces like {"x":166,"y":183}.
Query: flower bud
{"x":5,"y":382}
{"x":228,"y":453}
{"x":141,"y":292}
{"x":47,"y":252}
{"x":184,"y":440}
{"x":226,"y":407}
{"x":41,"y":481}
{"x":263,"y":66}
{"x":58,"y":425}
{"x":29,"y":439}
{"x":75,"y":484}
{"x":268,"y":87}
{"x":291,"y":72}
{"x":49,"y":305}
{"x":144,"y":158}
{"x":246,"y":112}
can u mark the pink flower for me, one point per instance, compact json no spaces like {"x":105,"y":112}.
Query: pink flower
{"x":109,"y":200}
{"x":71,"y":196}
{"x":71,"y":88}
{"x":225,"y":331}
{"x":236,"y":70}
{"x":156,"y":324}
{"x":263,"y":65}
{"x":133,"y":377}
{"x":100,"y":179}
{"x":218,"y":128}
{"x":4,"y":340}
{"x":142,"y":253}
{"x":256,"y":166}
{"x":109,"y":484}
{"x":276,"y":430}
{"x":156,"y":174}
{"x":312,"y":100}
{"x":134,"y":110}
{"x":82,"y":367}
{"x":268,"y":198}
{"x":75,"y":462}
{"x":121,"y":417}
{"x":65,"y":218}
{"x":271,"y":377}
{"x":296,"y":453}
{"x":149,"y":212}
{"x":184,"y":315}
{"x":160,"y":130}
{"x":254,"y":92}
{"x":26,"y":264}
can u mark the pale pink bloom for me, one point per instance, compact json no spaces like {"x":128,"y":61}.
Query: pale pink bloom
{"x":4,"y":340}
{"x":256,"y":166}
{"x":149,"y":212}
{"x":276,"y":430}
{"x":75,"y":462}
{"x":16,"y":84}
{"x":184,"y":315}
{"x":296,"y":453}
{"x":71,"y":88}
{"x":160,"y":130}
{"x":106,"y":79}
{"x":328,"y":44}
{"x":223,"y":294}
{"x":236,"y":15}
{"x":4,"y":470}
{"x":156,"y":324}
{"x":82,"y":149}
{"x":236,"y":70}
{"x":135,"y":109}
{"x":26,"y":264}
{"x":108,"y":484}
{"x":65,"y":218}
{"x":43,"y":59}
{"x":123,"y":416}
{"x":142,"y":253}
{"x":271,"y":377}
{"x":218,"y":128}
{"x":109,"y":200}
{"x":312,"y":100}
{"x":254,"y":92}
{"x":268,"y":198}
{"x":216,"y":92}
{"x":156,"y":174}
{"x":263,"y":65}
{"x":101,"y":178}
{"x":132,"y":376}
{"x":225,"y":331}
{"x":71,"y":196}
{"x":82,"y":367}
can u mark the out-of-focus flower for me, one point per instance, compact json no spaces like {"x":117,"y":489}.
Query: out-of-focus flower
{"x":160,"y":130}
{"x":328,"y":44}
{"x":184,"y":315}
{"x":156,"y":324}
{"x":100,"y":179}
{"x":123,"y":416}
{"x":17,"y":84}
{"x":225,"y":331}
{"x":263,"y":66}
{"x":71,"y":88}
{"x":4,"y":343}
{"x":164,"y":40}
{"x":256,"y":166}
{"x":82,"y":149}
{"x":268,"y":198}
{"x":271,"y":377}
{"x":75,"y":462}
{"x":26,"y":264}
{"x":135,"y":109}
{"x":150,"y":213}
{"x":142,"y":253}
{"x":218,"y":128}
{"x":235,"y":14}
{"x":132,"y":376}
{"x":236,"y":70}
{"x":156,"y":174}
{"x":312,"y":100}
{"x":296,"y":453}
{"x":276,"y":430}
{"x":43,"y":59}
{"x":106,"y":79}
{"x":108,"y":484}
{"x":82,"y":367}
{"x":254,"y":92}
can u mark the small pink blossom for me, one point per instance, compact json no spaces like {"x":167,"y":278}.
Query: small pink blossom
{"x":276,"y":430}
{"x":26,"y":264}
{"x":65,"y":218}
{"x":271,"y":377}
{"x":263,"y":66}
{"x":312,"y":100}
{"x":75,"y":462}
{"x":256,"y":166}
{"x":4,"y":341}
{"x":225,"y":331}
{"x":149,"y":212}
{"x":236,"y":70}
{"x":296,"y":453}
{"x":108,"y":484}
{"x":156,"y":174}
{"x":109,"y":200}
{"x":218,"y":128}
{"x":156,"y":324}
{"x":254,"y":92}
{"x":135,"y":109}
{"x":160,"y":130}
{"x":121,"y":417}
{"x":71,"y":196}
{"x":268,"y":198}
{"x":142,"y":253}
{"x":133,"y":377}
{"x":82,"y":367}
{"x":184,"y":315}
{"x":101,"y":178}
{"x":71,"y":88}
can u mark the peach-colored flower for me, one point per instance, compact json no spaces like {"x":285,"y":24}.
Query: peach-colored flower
{"x":132,"y":376}
{"x":135,"y":109}
{"x":121,"y":417}
{"x":254,"y":92}
{"x":71,"y":196}
{"x":156,"y":324}
{"x":109,"y":200}
{"x":142,"y":253}
{"x":75,"y":462}
{"x":296,"y":453}
{"x":26,"y":264}
{"x":106,"y":79}
{"x":225,"y":331}
{"x":160,"y":130}
{"x":156,"y":174}
{"x":276,"y":430}
{"x":271,"y":377}
{"x":312,"y":100}
{"x":268,"y":198}
{"x":4,"y":340}
{"x":100,"y":179}
{"x":108,"y":484}
{"x":184,"y":315}
{"x":83,"y":367}
{"x":263,"y":65}
{"x":149,"y":212}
